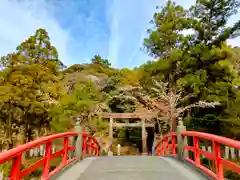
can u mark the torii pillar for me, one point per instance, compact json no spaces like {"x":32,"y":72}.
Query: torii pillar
{"x":144,"y":138}
{"x":110,"y":137}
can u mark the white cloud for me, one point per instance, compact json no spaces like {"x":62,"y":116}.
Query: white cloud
{"x":129,"y":21}
{"x":20,"y":19}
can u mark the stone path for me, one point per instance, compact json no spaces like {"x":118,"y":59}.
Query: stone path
{"x":130,"y":168}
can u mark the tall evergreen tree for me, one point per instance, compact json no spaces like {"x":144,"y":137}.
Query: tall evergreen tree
{"x":29,"y":84}
{"x":198,"y":61}
{"x":164,"y":36}
{"x":38,"y":49}
{"x":211,"y":17}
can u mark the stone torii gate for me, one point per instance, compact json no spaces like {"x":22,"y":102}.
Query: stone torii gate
{"x":142,"y":124}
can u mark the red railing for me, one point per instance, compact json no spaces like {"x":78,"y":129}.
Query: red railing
{"x":168,"y":146}
{"x":89,"y":145}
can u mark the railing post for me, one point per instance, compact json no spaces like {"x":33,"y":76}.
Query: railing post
{"x":162,"y":147}
{"x":84,"y":145}
{"x":16,"y":168}
{"x":166,"y":146}
{"x":78,"y":129}
{"x":47,"y":160}
{"x":65,"y":154}
{"x":196,"y":152}
{"x":181,"y":141}
{"x":217,"y":158}
{"x":89,"y":145}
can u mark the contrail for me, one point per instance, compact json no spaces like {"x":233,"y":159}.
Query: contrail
{"x":113,"y":42}
{"x":137,"y":48}
{"x":114,"y":37}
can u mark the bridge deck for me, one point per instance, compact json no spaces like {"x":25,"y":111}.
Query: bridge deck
{"x":130,"y":168}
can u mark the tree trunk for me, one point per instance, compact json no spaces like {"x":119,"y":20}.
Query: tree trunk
{"x":21,"y":139}
{"x":25,"y":130}
{"x":29,"y":133}
{"x":174,"y":124}
{"x":159,"y":126}
{"x":9,"y":129}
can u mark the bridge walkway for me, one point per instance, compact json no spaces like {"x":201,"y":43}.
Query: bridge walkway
{"x":131,"y":168}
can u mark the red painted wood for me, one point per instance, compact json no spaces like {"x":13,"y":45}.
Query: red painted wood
{"x":230,"y":165}
{"x":207,"y":154}
{"x":32,"y":168}
{"x":163,"y":144}
{"x":219,"y":162}
{"x":65,"y":151}
{"x":167,"y":145}
{"x":84,"y":146}
{"x":204,"y":169}
{"x":173,"y":145}
{"x":47,"y":160}
{"x":10,"y":154}
{"x":216,"y":155}
{"x":91,"y":146}
{"x":16,"y":155}
{"x":196,"y":151}
{"x":16,"y":166}
{"x":215,"y":138}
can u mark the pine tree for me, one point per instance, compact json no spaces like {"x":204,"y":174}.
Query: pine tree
{"x":38,"y":49}
{"x":29,"y":85}
{"x":211,"y":18}
{"x":164,"y":36}
{"x":198,"y":61}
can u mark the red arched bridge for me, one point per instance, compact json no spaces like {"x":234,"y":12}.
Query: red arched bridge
{"x":178,"y":155}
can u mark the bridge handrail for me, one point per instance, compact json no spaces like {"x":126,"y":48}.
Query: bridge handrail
{"x":163,"y":148}
{"x":89,"y":144}
{"x":211,"y":137}
{"x":219,"y":162}
{"x":5,"y":156}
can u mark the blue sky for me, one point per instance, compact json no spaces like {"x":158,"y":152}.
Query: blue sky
{"x":114,"y":29}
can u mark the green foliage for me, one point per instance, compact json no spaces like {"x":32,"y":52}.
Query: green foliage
{"x":164,"y":36}
{"x":211,"y":18}
{"x":29,"y":86}
{"x":37,"y":96}
{"x":129,"y":77}
{"x":79,"y":103}
{"x":74,"y":68}
{"x":102,"y":62}
{"x":37,"y":49}
{"x":200,"y":62}
{"x":231,"y":120}
{"x":99,"y":126}
{"x":5,"y":168}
